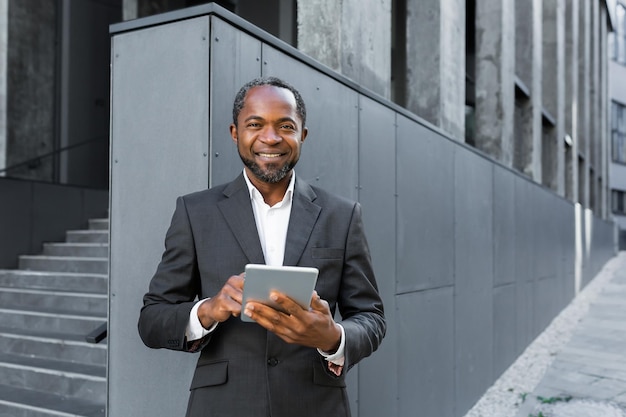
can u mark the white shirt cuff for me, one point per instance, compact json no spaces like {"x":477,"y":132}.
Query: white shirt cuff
{"x":338,"y":358}
{"x":194,"y":330}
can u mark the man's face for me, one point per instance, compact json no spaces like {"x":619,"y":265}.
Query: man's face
{"x":269,"y":133}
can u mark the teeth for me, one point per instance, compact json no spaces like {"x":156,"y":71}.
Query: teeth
{"x":269,"y":155}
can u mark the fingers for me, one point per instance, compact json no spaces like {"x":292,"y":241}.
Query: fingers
{"x":264,"y":315}
{"x":319,"y":304}
{"x":226,"y":303}
{"x":312,"y":327}
{"x":233,"y":288}
{"x":287,"y":304}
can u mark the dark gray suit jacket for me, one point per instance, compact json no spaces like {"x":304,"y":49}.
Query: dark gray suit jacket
{"x":244,"y":370}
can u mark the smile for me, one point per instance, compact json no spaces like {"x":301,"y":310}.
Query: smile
{"x":269,"y":155}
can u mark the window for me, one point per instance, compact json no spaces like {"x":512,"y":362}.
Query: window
{"x":618,"y":132}
{"x":617,"y":39}
{"x":618,"y":202}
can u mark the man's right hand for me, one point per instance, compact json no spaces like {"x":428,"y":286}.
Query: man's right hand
{"x":224,"y":304}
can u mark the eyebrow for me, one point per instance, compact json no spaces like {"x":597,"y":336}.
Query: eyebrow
{"x":281,"y":120}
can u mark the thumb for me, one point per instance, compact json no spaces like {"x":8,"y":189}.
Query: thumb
{"x":317,"y":303}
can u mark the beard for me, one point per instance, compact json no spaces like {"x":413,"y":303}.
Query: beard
{"x":272,"y":174}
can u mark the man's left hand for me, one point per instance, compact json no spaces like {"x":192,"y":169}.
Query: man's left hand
{"x":314,"y":327}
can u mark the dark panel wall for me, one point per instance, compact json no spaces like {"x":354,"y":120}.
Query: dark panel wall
{"x":473,"y":271}
{"x":425,"y":229}
{"x":84,"y":89}
{"x":53,"y":210}
{"x":31,"y":73}
{"x":472,"y":259}
{"x":159,"y":150}
{"x":377,"y":194}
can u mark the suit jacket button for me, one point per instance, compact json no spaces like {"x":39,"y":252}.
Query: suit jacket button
{"x":272,"y":361}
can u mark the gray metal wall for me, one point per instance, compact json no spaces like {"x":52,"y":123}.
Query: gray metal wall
{"x":32,"y":213}
{"x":472,"y":260}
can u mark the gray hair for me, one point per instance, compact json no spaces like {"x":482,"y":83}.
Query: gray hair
{"x":273,"y":81}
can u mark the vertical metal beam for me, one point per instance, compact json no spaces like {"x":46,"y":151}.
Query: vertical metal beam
{"x":4,"y":43}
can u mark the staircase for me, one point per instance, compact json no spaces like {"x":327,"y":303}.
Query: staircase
{"x":47,"y":307}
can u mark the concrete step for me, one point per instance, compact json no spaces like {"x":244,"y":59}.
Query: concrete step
{"x":16,"y":402}
{"x":87,"y":236}
{"x":59,"y":346}
{"x":52,"y":320}
{"x":90,"y":283}
{"x":99,"y":224}
{"x":36,"y":299}
{"x":63,"y":264}
{"x":65,"y":379}
{"x":47,"y":308}
{"x":89,"y":250}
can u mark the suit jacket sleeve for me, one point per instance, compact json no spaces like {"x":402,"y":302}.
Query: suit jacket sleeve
{"x":359,"y":302}
{"x":173,"y":288}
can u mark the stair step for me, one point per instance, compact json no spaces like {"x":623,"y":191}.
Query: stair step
{"x":90,"y":250}
{"x":92,"y":283}
{"x":47,"y":308}
{"x":66,"y":379}
{"x":87,"y":236}
{"x":68,"y":301}
{"x":77,"y":323}
{"x":64,"y":347}
{"x":16,"y":402}
{"x":99,"y":224}
{"x":64,"y":264}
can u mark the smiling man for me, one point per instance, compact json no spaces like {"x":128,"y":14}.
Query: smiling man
{"x":291,"y":362}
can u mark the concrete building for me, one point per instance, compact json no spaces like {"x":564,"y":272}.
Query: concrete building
{"x":524,"y":82}
{"x":617,"y":117}
{"x":497,"y":119}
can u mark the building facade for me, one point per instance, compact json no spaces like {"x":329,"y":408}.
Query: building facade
{"x":524,"y":82}
{"x":617,"y":88}
{"x":495,"y":113}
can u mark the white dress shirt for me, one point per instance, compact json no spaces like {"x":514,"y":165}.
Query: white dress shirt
{"x":271,"y":223}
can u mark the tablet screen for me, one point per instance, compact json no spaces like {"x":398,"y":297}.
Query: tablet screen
{"x":295,"y":281}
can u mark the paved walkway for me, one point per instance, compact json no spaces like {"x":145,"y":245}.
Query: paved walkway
{"x":577,"y":366}
{"x":588,"y":375}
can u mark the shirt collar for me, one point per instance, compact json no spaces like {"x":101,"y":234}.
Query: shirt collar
{"x":255,"y":194}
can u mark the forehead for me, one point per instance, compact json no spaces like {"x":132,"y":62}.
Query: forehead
{"x":268,"y":98}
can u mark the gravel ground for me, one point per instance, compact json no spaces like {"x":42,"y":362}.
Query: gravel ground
{"x":578,"y":408}
{"x":504,"y":397}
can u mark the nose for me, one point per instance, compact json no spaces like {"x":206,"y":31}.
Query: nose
{"x":270,"y":135}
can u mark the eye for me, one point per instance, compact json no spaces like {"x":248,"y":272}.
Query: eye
{"x":253,"y":124}
{"x":287,"y":127}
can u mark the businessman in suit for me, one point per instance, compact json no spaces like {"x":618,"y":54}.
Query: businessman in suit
{"x":284,"y":364}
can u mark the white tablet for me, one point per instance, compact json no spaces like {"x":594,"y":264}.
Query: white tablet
{"x":295,"y":281}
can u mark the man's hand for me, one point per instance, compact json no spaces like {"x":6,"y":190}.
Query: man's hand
{"x":224,"y":304}
{"x":314,"y":327}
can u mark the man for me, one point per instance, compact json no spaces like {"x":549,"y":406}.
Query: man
{"x":282,"y":364}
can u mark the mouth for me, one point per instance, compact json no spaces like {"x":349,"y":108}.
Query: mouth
{"x":269,"y":155}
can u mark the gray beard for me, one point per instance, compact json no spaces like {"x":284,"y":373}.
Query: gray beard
{"x":272,"y":175}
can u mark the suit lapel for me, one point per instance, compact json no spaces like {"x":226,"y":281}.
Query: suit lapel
{"x":304,"y":214}
{"x":237,"y":210}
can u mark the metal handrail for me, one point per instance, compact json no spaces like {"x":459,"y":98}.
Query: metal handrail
{"x":98,"y":334}
{"x":37,"y":159}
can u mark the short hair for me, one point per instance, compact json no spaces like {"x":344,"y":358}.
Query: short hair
{"x":273,"y":81}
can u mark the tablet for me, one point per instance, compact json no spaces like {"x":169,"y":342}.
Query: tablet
{"x":295,"y":281}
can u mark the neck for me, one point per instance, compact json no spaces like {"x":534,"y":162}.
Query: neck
{"x":272,"y":192}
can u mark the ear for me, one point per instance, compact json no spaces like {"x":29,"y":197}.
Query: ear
{"x":233,"y":132}
{"x":305,"y":132}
